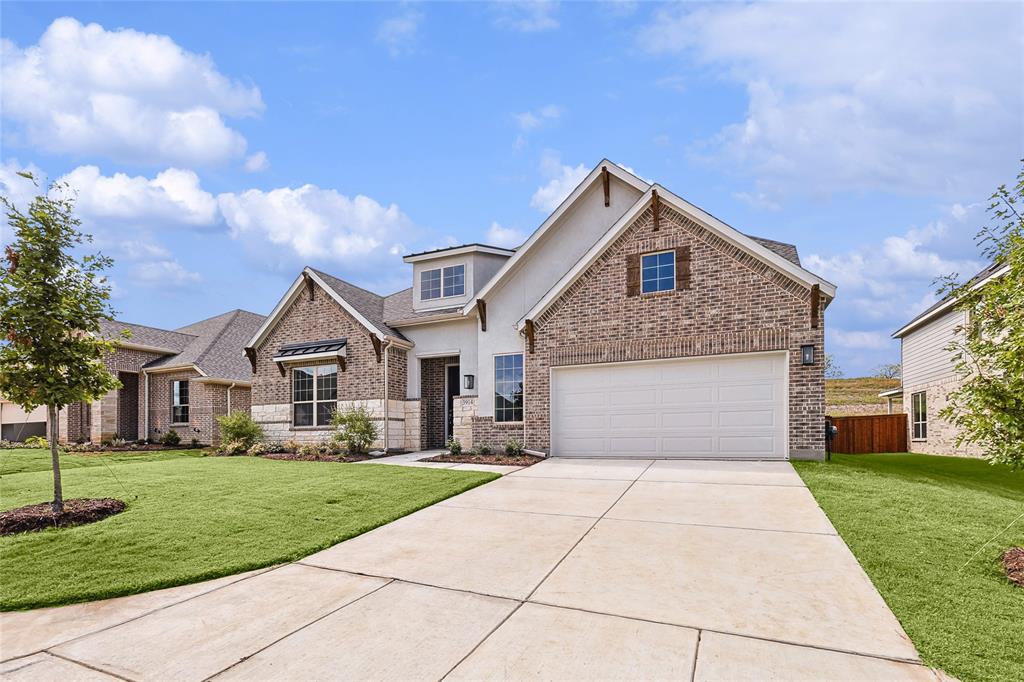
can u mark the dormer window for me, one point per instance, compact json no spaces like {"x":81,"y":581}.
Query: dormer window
{"x":443,"y":282}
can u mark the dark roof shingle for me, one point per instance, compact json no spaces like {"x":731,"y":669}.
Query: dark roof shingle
{"x":216,"y":348}
{"x":367,"y":303}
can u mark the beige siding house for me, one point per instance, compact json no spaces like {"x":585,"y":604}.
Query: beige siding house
{"x":929,"y":375}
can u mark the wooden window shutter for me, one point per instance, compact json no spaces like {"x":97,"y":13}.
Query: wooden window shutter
{"x":683,"y":271}
{"x":633,"y":274}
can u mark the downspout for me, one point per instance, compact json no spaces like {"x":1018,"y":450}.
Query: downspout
{"x":387,"y":417}
{"x":145,"y":405}
{"x":229,"y":395}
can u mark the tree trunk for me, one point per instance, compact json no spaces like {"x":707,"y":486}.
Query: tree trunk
{"x":58,"y":494}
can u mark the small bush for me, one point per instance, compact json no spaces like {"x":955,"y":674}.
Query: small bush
{"x":513,"y":448}
{"x":194,"y":443}
{"x":257,"y":449}
{"x":171,"y":438}
{"x":308,"y":449}
{"x":241,"y":427}
{"x":454,"y":446}
{"x":36,"y":442}
{"x":484,"y":449}
{"x":291,"y":445}
{"x":356,"y":428}
{"x":234,"y":447}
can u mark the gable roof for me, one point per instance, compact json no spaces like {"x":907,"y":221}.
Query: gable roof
{"x":940,"y":307}
{"x":144,"y":337}
{"x":754,"y":247}
{"x":458,"y":249}
{"x":787,"y":251}
{"x":365,"y":306}
{"x":592,"y":177}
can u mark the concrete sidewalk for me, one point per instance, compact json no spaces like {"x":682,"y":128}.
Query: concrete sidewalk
{"x":577,"y":569}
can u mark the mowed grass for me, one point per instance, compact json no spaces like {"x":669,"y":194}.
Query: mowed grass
{"x":20,"y":461}
{"x":914,"y":522}
{"x":195,"y":518}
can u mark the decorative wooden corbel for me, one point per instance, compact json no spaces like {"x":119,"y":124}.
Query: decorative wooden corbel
{"x":376,"y":346}
{"x":528,"y":328}
{"x":815,"y":305}
{"x":309,"y":284}
{"x":280,"y":367}
{"x":481,"y":306}
{"x":341,"y":363}
{"x":606,"y":180}
{"x":251,"y":354}
{"x":656,"y":206}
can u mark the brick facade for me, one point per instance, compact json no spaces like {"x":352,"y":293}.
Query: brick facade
{"x":736,"y":304}
{"x":432,"y":400}
{"x":942,"y":435}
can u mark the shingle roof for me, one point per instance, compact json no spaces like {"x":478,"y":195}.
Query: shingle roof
{"x":398,"y":308}
{"x":216,"y":346}
{"x":458,"y":246}
{"x":985,"y":272}
{"x":367,"y":303}
{"x":787,"y":251}
{"x":142,"y":335}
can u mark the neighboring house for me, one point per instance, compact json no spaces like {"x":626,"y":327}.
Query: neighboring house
{"x":631,"y":323}
{"x":170,"y":379}
{"x":16,"y":425}
{"x":929,"y":375}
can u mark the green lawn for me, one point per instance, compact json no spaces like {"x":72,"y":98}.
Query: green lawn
{"x":195,"y":518}
{"x":20,"y":461}
{"x":913,"y":521}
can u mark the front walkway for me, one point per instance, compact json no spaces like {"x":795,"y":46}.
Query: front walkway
{"x":570,"y":569}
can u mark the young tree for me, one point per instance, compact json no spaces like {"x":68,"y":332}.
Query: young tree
{"x":51,"y":305}
{"x":891,"y":370}
{"x":988,"y":407}
{"x":832,"y":370}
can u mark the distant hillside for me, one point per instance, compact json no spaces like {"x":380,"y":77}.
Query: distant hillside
{"x":845,"y":397}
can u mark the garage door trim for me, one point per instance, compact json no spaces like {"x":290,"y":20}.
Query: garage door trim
{"x":784,"y":354}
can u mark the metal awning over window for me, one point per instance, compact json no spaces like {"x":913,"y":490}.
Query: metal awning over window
{"x":326,"y":349}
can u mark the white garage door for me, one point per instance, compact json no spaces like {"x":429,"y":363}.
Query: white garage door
{"x":710,"y":407}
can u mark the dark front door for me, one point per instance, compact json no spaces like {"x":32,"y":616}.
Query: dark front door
{"x":451,"y":389}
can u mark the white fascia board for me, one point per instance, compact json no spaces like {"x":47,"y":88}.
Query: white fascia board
{"x":174,"y":368}
{"x":744,"y":242}
{"x":444,"y":253}
{"x":891,"y":393}
{"x":224,"y":382}
{"x":594,"y":175}
{"x":275,"y":315}
{"x":707,"y":220}
{"x":919,"y":322}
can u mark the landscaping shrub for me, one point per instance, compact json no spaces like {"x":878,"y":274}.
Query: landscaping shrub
{"x":356,"y":428}
{"x":36,"y":442}
{"x":513,"y":448}
{"x":484,"y":449}
{"x":234,"y":447}
{"x":241,"y":427}
{"x":291,"y":445}
{"x":258,"y":449}
{"x":171,"y":438}
{"x":308,"y":449}
{"x":454,"y":446}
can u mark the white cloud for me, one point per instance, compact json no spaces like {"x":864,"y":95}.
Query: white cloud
{"x":164,"y":273}
{"x":504,"y":236}
{"x":257,"y":162}
{"x":17,"y":189}
{"x":399,"y":33}
{"x":130,"y":96}
{"x":562,"y":180}
{"x":311,"y":224}
{"x":174,"y":198}
{"x":859,"y":339}
{"x":906,"y":97}
{"x":526,"y":16}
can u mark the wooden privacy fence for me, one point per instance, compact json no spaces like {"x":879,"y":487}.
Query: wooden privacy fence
{"x":870,"y":433}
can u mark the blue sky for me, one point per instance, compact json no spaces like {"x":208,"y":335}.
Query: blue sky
{"x":218,"y":147}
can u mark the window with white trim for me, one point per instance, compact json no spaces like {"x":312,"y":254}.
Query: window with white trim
{"x":508,"y":388}
{"x":919,"y":415}
{"x":179,"y":402}
{"x":443,"y":282}
{"x":658,"y":272}
{"x":314,"y":395}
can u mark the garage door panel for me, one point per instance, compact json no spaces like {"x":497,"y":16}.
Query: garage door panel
{"x":722,"y":406}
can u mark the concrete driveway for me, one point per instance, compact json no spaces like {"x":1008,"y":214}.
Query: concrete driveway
{"x":570,"y":569}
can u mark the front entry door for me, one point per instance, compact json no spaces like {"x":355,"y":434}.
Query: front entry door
{"x":451,"y":389}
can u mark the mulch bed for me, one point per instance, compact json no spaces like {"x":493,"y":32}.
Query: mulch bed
{"x":106,"y":449}
{"x":1013,"y":563}
{"x":296,"y":457}
{"x":40,"y":516}
{"x":499,"y":459}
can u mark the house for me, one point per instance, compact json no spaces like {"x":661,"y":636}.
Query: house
{"x":16,"y":425}
{"x":929,"y":375}
{"x":177,"y":379}
{"x":630,"y":323}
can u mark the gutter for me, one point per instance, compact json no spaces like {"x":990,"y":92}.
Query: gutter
{"x":229,"y":395}
{"x":145,"y":404}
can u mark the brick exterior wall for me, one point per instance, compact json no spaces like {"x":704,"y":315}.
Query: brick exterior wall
{"x":494,"y":434}
{"x":128,"y":406}
{"x":200,"y":412}
{"x":432,"y":400}
{"x":736,"y":304}
{"x":942,"y":435}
